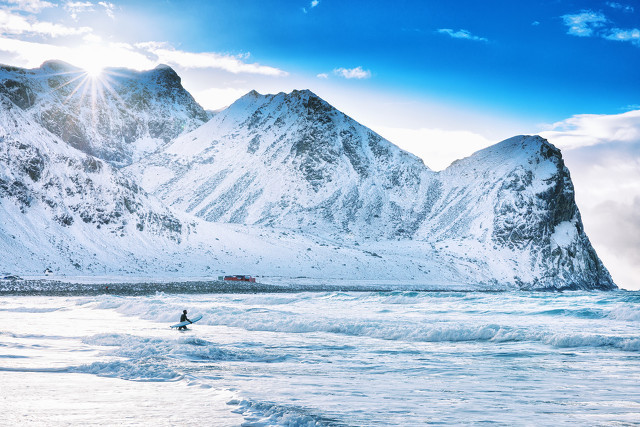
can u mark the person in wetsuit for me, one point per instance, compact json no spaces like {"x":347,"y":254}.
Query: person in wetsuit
{"x":184,"y":318}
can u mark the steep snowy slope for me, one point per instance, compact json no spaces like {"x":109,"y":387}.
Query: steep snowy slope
{"x":118,"y":116}
{"x":65,"y":207}
{"x":293,"y":161}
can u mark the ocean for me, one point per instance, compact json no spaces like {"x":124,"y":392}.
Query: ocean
{"x":322,"y":358}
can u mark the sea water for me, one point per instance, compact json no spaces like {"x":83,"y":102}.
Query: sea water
{"x":399,"y":358}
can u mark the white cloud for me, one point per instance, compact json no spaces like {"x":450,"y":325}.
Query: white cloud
{"x":588,"y":23}
{"x":623,"y":7}
{"x":535,"y":23}
{"x":352,"y":73}
{"x":313,"y":4}
{"x":617,"y":34}
{"x":165,"y":53}
{"x":92,"y":38}
{"x":32,"y":54}
{"x":603,"y":155}
{"x":108,"y":8}
{"x":615,"y":227}
{"x":94,"y":52}
{"x":32,"y":6}
{"x":323,"y":76}
{"x":592,"y":129}
{"x":14,"y":24}
{"x":584,"y":24}
{"x":76,"y":7}
{"x":461,"y":34}
{"x":437,"y":147}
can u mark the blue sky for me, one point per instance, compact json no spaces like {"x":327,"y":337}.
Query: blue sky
{"x":439,"y":79}
{"x":501,"y":55}
{"x":505,"y":57}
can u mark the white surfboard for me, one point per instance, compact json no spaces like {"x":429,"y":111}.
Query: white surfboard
{"x":185,"y":323}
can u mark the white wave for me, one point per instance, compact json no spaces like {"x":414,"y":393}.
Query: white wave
{"x":129,"y":370}
{"x":592,"y":340}
{"x":263,"y":414}
{"x":625,"y":312}
{"x":247,"y":316}
{"x":403,"y":298}
{"x":186,"y":348}
{"x":31,"y":309}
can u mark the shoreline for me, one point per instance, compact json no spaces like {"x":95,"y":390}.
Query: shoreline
{"x":43,"y":287}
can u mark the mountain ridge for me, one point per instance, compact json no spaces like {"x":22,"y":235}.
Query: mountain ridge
{"x":294,"y":161}
{"x":286,"y":185}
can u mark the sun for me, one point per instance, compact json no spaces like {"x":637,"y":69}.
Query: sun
{"x":92,"y":59}
{"x":93,"y":70}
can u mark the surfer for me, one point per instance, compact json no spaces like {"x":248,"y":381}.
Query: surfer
{"x":184,"y":318}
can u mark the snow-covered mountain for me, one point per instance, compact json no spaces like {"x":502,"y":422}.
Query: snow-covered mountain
{"x":293,"y":161}
{"x":118,"y":116}
{"x":280,"y":185}
{"x":64,"y":207}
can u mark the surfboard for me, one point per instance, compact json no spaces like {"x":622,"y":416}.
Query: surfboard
{"x":185,"y":323}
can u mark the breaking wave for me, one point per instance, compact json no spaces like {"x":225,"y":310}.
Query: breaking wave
{"x":129,"y":370}
{"x":271,"y":414}
{"x":256,"y":314}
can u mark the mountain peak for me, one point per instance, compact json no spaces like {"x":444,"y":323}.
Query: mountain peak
{"x":304,"y":93}
{"x":527,"y":142}
{"x":157,"y":108}
{"x":58,"y":66}
{"x":252,"y":94}
{"x":296,"y":94}
{"x":164,"y":67}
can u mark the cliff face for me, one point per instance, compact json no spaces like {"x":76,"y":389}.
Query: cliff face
{"x":118,"y":116}
{"x":523,"y":203}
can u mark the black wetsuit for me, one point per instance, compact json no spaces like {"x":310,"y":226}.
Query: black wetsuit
{"x":183,"y":318}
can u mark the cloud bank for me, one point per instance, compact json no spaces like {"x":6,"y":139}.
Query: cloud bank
{"x":603,"y":155}
{"x":29,"y":41}
{"x":16,"y":24}
{"x":585,"y":130}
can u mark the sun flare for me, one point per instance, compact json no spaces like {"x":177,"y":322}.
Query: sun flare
{"x":94,"y":70}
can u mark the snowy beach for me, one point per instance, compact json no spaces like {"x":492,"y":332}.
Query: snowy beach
{"x":322,"y":358}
